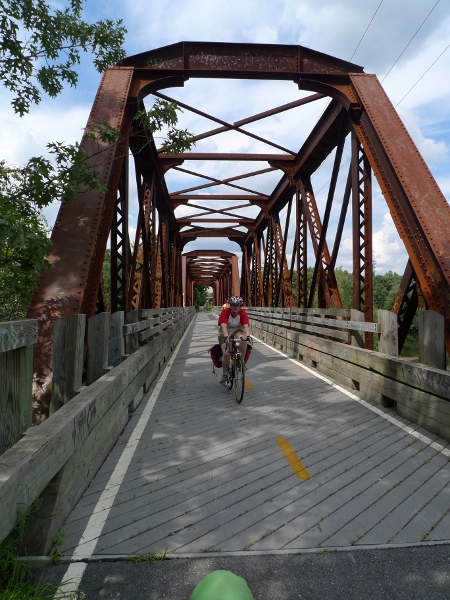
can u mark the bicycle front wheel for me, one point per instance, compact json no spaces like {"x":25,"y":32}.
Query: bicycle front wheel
{"x":230,"y":376}
{"x":239,"y":379}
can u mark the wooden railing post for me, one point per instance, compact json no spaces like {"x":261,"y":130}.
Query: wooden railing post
{"x":357,"y":337}
{"x":97,"y":351}
{"x":388,"y":338}
{"x":116,"y":344}
{"x":16,"y":377}
{"x":132,"y":339}
{"x":431,"y":339}
{"x":67,"y":359}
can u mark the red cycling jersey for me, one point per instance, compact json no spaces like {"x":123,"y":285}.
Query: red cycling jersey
{"x":240,"y":319}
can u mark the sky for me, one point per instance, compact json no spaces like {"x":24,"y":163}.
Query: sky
{"x":404,"y":42}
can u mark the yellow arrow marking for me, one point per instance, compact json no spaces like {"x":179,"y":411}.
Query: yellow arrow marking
{"x":248,"y":385}
{"x":296,"y":464}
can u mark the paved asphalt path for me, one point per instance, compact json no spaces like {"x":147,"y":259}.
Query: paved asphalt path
{"x":421,"y":573}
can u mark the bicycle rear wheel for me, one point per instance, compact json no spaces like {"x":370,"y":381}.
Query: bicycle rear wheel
{"x":239,"y":379}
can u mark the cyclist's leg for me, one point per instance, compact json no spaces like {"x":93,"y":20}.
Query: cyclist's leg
{"x":225,"y":360}
{"x":243,"y":344}
{"x":225,"y":357}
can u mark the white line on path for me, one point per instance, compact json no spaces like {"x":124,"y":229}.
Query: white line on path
{"x":93,"y":530}
{"x":426,"y":440}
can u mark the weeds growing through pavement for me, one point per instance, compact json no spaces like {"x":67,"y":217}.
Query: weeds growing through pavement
{"x":150,"y":558}
{"x":57,"y":540}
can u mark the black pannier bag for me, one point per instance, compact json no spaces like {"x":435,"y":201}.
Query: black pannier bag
{"x":216,"y":355}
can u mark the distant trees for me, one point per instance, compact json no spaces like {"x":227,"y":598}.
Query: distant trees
{"x":41,"y":45}
{"x":385,"y":288}
{"x":40,"y":49}
{"x":200,"y":295}
{"x":345,"y":283}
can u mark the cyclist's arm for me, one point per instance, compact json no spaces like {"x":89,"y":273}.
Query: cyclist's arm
{"x":245,"y":322}
{"x":224,"y":329}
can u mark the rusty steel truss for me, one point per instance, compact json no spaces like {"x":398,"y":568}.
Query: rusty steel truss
{"x":212,"y":268}
{"x":151,"y":270}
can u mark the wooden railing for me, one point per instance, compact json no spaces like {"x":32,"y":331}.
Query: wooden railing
{"x":57,"y":460}
{"x":331,"y":341}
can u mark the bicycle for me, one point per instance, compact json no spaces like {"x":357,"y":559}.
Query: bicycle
{"x":236,"y":369}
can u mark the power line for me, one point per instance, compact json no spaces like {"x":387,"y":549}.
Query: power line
{"x":404,"y":49}
{"x":398,"y":58}
{"x":366,"y":30}
{"x":433,"y":63}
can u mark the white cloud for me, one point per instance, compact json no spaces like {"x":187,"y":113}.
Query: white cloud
{"x":28,"y":136}
{"x":432,"y":150}
{"x":388,"y":250}
{"x":444,"y":184}
{"x":329,"y":26}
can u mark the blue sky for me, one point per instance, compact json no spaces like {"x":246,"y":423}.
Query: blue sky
{"x":394,"y":30}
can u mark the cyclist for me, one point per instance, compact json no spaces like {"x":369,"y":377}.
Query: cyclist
{"x":233,"y":320}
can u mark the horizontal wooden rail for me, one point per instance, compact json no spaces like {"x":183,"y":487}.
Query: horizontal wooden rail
{"x":17,"y":334}
{"x":333,"y":323}
{"x":288,"y":317}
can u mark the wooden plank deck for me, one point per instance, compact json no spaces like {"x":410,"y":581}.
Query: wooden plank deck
{"x":208,"y":475}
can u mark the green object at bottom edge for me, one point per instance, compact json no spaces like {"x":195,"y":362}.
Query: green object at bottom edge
{"x":222,"y":585}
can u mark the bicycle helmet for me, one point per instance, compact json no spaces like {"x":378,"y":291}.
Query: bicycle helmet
{"x":236,"y":301}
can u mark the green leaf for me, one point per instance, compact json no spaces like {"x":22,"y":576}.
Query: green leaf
{"x":162,"y":114}
{"x":32,"y":33}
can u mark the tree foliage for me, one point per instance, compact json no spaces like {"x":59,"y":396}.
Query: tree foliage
{"x":345,"y":284}
{"x":24,"y":234}
{"x":385,"y":288}
{"x":164,"y":114}
{"x":39,"y":51}
{"x":200,"y":295}
{"x":39,"y":48}
{"x":25,"y":190}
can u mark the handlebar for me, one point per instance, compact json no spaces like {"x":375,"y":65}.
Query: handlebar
{"x":237,"y":340}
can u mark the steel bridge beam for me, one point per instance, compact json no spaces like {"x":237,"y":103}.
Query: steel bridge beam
{"x":154,"y":272}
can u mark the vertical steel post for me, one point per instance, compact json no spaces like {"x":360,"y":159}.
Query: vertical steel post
{"x":120,"y":246}
{"x":362,"y":235}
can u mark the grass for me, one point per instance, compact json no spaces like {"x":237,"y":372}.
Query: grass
{"x":210,"y":549}
{"x":151,"y":558}
{"x":19,"y":587}
{"x":16,"y":582}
